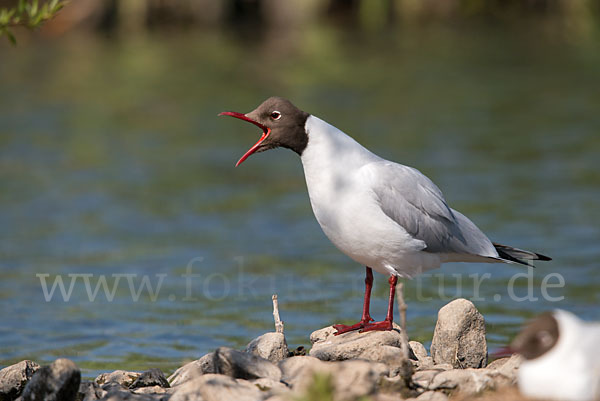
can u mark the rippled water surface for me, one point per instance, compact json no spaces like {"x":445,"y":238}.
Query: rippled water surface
{"x":114,"y":165}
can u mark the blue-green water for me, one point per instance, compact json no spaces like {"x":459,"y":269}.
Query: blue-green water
{"x":113,"y":162}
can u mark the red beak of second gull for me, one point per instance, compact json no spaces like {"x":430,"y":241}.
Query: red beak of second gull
{"x":265,"y":134}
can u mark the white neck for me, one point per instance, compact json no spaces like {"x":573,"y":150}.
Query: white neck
{"x":329,"y":150}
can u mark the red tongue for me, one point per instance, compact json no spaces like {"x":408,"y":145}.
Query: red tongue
{"x":266,"y":132}
{"x":253,"y":148}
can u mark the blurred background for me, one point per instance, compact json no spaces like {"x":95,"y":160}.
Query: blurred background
{"x":113,"y":161}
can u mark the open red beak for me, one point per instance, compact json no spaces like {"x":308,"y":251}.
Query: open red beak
{"x":265,"y":134}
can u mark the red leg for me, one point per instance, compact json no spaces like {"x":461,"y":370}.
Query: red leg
{"x":366,"y":317}
{"x":386,"y":324}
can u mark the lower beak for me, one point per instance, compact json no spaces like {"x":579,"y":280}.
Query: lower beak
{"x":265,"y":134}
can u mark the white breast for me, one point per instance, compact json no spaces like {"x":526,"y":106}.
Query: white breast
{"x":344,"y":205}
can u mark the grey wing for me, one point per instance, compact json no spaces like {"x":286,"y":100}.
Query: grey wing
{"x":414,"y":202}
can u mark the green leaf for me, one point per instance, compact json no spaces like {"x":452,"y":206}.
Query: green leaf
{"x":34,"y":8}
{"x":4,"y":17}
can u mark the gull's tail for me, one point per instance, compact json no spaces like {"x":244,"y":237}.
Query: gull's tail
{"x":516,"y":255}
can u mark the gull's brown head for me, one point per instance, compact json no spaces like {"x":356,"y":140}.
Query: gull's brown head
{"x":282,"y":125}
{"x":537,"y":337}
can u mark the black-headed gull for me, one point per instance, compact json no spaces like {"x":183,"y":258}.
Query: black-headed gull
{"x":389,"y":217}
{"x":562,"y":358}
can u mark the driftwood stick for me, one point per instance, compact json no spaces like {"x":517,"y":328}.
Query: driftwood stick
{"x":278,"y":322}
{"x":402,"y":311}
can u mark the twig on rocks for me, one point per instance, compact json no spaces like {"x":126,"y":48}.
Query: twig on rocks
{"x":402,"y":311}
{"x":278,"y":322}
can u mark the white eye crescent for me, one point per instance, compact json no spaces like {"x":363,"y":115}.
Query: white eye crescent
{"x":275,"y":115}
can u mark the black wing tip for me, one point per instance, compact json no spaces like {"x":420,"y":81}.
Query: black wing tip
{"x":542,"y":257}
{"x":519,"y":255}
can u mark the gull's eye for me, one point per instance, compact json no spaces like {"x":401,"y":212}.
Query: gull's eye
{"x":275,"y":115}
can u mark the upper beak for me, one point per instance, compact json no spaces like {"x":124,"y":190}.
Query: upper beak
{"x":265,"y":134}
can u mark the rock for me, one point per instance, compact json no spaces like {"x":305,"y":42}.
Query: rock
{"x":466,"y":381}
{"x":349,"y":379}
{"x":397,"y":385}
{"x":423,"y":378}
{"x":153,"y":390}
{"x":271,"y":386}
{"x":291,"y":367}
{"x":90,"y":391}
{"x":121,"y":377}
{"x":385,"y":397}
{"x":58,"y":381}
{"x":129,"y":396}
{"x":322,"y":334}
{"x":432,"y":396}
{"x":459,"y":336}
{"x":278,"y":398}
{"x":271,"y":346}
{"x":193,"y":370}
{"x":504,"y":371}
{"x":13,"y":379}
{"x":352,"y":345}
{"x":214,"y":387}
{"x":242,"y":365}
{"x":392,"y":357}
{"x":118,"y":393}
{"x":418,"y":350}
{"x":152,"y":377}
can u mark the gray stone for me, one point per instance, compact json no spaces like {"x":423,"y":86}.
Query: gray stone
{"x":425,"y":363}
{"x":423,"y":378}
{"x":193,"y":370}
{"x":466,"y":381}
{"x":432,"y":396}
{"x":90,"y":391}
{"x":350,"y":379}
{"x":459,"y":336}
{"x":504,"y":371}
{"x":117,"y":393}
{"x":214,"y":387}
{"x":271,"y":386}
{"x":392,"y":357}
{"x":121,"y":377}
{"x":130,"y":396}
{"x":13,"y":379}
{"x":291,"y":367}
{"x":418,"y":350}
{"x":322,"y":334}
{"x":153,"y":390}
{"x":152,"y":377}
{"x":242,"y":365}
{"x":58,"y":381}
{"x":352,"y":345}
{"x":271,"y":346}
